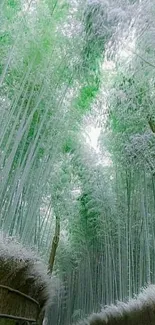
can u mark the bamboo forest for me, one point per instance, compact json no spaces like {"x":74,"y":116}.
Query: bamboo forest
{"x":77,"y":154}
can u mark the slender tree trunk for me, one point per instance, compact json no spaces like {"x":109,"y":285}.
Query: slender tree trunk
{"x":55,"y":243}
{"x":51,"y":261}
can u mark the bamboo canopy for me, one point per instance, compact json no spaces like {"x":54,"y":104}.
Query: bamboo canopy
{"x":25,"y":287}
{"x":138,"y":311}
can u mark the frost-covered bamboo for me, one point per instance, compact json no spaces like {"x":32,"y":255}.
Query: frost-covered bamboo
{"x":66,"y":65}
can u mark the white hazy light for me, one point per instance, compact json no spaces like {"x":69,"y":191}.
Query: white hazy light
{"x":92,"y":134}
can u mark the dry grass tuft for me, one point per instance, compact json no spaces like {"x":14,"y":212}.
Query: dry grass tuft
{"x":138,"y":311}
{"x":23,"y":272}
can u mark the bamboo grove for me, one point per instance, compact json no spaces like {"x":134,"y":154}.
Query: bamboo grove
{"x":77,"y":144}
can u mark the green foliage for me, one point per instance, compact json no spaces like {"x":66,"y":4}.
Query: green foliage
{"x":87,"y":94}
{"x":55,"y":81}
